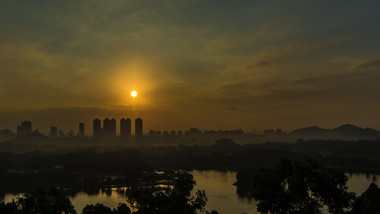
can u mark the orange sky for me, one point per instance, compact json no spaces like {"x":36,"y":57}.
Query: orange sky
{"x":208,"y":64}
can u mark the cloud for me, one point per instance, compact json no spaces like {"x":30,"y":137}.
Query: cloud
{"x":374,"y":64}
{"x":233,"y":86}
{"x":259,"y":64}
{"x":298,"y":57}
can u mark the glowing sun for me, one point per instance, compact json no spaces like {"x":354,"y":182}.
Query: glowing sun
{"x":134,"y":94}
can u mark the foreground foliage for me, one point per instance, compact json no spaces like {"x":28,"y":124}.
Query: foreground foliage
{"x":304,"y":187}
{"x":54,"y":201}
{"x":177,"y":199}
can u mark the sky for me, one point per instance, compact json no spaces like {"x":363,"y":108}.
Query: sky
{"x":210,"y":64}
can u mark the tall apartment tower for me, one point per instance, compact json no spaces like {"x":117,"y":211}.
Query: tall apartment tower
{"x":81,"y":130}
{"x":24,"y":128}
{"x":96,"y":127}
{"x":125,"y":127}
{"x":109,"y":127}
{"x":53,"y":131}
{"x":138,"y":127}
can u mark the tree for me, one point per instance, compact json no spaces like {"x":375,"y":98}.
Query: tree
{"x":368,"y":202}
{"x":122,"y":209}
{"x":176,"y":200}
{"x":298,"y":187}
{"x":54,"y":201}
{"x":96,"y":209}
{"x":142,"y":200}
{"x":9,"y":208}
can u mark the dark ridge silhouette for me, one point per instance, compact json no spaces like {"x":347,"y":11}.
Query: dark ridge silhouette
{"x":352,"y":131}
{"x":346,"y":131}
{"x":312,"y":130}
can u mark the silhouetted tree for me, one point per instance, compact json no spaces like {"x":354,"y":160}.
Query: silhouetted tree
{"x":299,"y":187}
{"x":96,"y":209}
{"x":53,"y":202}
{"x":9,"y":208}
{"x":176,"y":200}
{"x":122,"y":209}
{"x":368,"y":202}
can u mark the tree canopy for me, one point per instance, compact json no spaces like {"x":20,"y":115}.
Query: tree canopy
{"x":297,"y":187}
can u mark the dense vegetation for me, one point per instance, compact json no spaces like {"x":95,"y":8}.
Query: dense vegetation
{"x":295,"y":187}
{"x":90,"y":169}
{"x":177,"y":199}
{"x":360,"y":155}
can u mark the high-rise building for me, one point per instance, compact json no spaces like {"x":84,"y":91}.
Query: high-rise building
{"x":81,"y":130}
{"x":109,"y":127}
{"x":53,"y":131}
{"x":125,"y":127}
{"x":138,"y":127}
{"x":61,"y":133}
{"x":70,"y":133}
{"x":97,"y":128}
{"x":24,"y":128}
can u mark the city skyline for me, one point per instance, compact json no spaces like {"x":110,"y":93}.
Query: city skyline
{"x":214,"y":65}
{"x":108,"y":128}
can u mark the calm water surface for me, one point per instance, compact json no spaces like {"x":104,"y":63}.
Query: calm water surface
{"x":220,"y":192}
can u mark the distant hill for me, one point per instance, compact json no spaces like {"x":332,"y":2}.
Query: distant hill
{"x":312,"y":130}
{"x":346,"y":131}
{"x":354,"y":131}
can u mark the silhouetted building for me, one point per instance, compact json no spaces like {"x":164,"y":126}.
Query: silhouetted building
{"x":151,"y":133}
{"x":53,"y":131}
{"x":138,"y":127}
{"x":70,"y":133}
{"x":125,"y":127}
{"x":193,"y":131}
{"x":109,"y":127}
{"x":24,"y":128}
{"x":81,"y":130}
{"x":61,"y":133}
{"x":6,"y":133}
{"x":96,"y":127}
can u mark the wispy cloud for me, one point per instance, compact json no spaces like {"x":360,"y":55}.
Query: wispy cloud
{"x":374,"y":64}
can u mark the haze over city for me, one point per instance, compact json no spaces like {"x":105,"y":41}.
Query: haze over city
{"x":207,"y":64}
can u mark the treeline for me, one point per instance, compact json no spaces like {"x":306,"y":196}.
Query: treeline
{"x":225,"y":154}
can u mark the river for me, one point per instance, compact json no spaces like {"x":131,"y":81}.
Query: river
{"x":220,"y":192}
